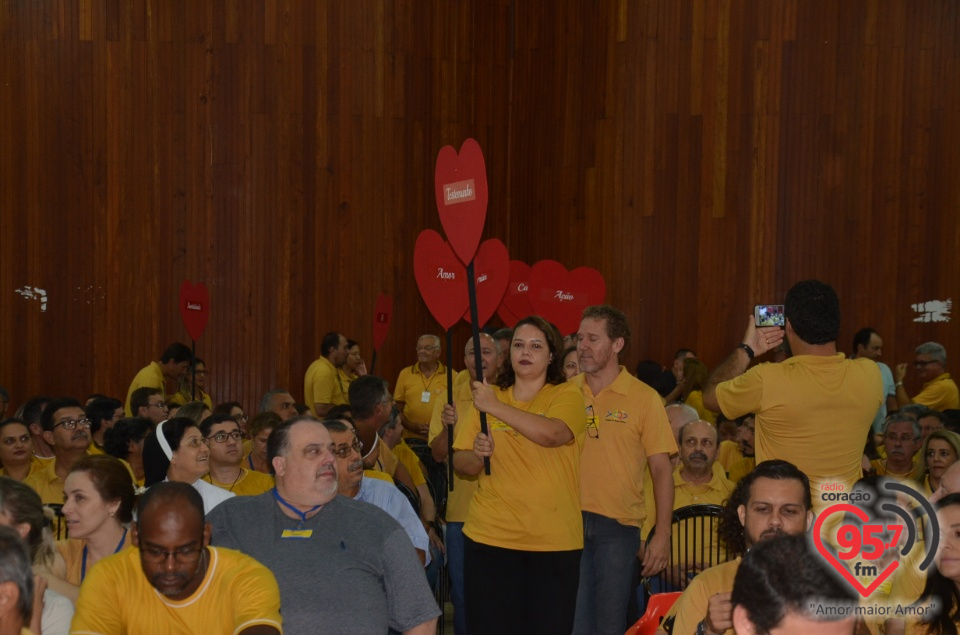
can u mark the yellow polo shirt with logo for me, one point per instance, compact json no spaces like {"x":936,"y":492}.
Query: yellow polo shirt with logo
{"x":249,"y":483}
{"x":458,"y":501}
{"x":322,"y":384}
{"x":627,"y":423}
{"x":940,"y":393}
{"x":531,"y":499}
{"x":813,"y":411}
{"x":420,"y":394}
{"x":692,"y":605}
{"x":150,"y":376}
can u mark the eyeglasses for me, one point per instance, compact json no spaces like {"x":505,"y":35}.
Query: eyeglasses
{"x":924,"y":363}
{"x":159,"y":404}
{"x":427,"y":348}
{"x":181,"y":556}
{"x":14,"y":440}
{"x":344,"y":451}
{"x":195,"y":442}
{"x":240,"y":418}
{"x":71,"y":424}
{"x":221,"y":437}
{"x":201,"y":372}
{"x":593,"y":430}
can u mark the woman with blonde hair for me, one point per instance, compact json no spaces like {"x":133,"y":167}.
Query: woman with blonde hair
{"x":694,"y":378}
{"x":940,"y":450}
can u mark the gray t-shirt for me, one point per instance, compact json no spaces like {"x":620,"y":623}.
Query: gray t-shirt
{"x":355,"y":572}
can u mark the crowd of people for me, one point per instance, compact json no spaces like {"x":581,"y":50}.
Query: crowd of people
{"x":537,"y":478}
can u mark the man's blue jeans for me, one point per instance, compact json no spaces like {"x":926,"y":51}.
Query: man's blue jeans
{"x":454,"y":541}
{"x":606,"y":572}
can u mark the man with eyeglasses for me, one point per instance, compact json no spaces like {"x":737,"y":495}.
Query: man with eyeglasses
{"x":370,"y":490}
{"x":940,"y":391}
{"x":175,"y":581}
{"x":343,"y":566}
{"x":67,"y":430}
{"x":627,"y":430}
{"x":149,"y":403}
{"x":173,"y":364}
{"x":226,"y":456}
{"x":418,"y":388}
{"x":322,"y":387}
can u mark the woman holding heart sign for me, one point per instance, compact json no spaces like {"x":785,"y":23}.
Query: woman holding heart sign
{"x":524,"y":530}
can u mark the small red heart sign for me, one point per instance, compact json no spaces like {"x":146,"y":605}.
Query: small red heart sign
{"x":460,"y":182}
{"x":441,"y":278}
{"x":491,"y":266}
{"x":194,"y":307}
{"x":561,"y":296}
{"x":843,"y":508}
{"x":516,"y":304}
{"x":382,"y":312}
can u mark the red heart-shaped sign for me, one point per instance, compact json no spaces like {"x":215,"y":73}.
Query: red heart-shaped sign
{"x":561,"y":296}
{"x":516,"y":303}
{"x":491,"y":266}
{"x":441,"y":278}
{"x":460,"y":182}
{"x":382,"y":312}
{"x":843,"y":508}
{"x":194,"y":307}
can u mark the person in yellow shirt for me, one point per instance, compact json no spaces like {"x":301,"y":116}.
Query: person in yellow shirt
{"x":354,"y":366}
{"x":446,"y":417}
{"x":694,"y":377}
{"x":16,"y":450}
{"x":323,"y":387}
{"x":745,"y":439}
{"x":939,"y":452}
{"x":771,"y":501}
{"x":627,"y":429}
{"x":902,"y":439}
{"x":67,"y":430}
{"x":176,"y":579}
{"x":225,"y":441}
{"x":940,"y":391}
{"x":174,"y":362}
{"x":149,"y":402}
{"x":524,"y":531}
{"x":125,"y":442}
{"x":815,"y":408}
{"x":103,"y":413}
{"x":418,"y":388}
{"x":185,"y":392}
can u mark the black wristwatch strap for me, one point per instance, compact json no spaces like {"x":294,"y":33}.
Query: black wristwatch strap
{"x":746,"y":347}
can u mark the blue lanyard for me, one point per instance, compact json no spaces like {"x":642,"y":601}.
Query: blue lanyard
{"x":83,"y":563}
{"x":302,"y":515}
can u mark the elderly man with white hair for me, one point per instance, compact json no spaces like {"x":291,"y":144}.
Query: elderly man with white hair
{"x":940,"y":391}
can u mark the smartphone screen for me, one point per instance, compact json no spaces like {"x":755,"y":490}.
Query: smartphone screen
{"x":768,"y":315}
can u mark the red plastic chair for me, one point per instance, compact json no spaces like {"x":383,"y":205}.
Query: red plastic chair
{"x":657,"y":607}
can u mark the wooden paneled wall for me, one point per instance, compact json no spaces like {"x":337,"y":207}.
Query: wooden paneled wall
{"x":702,"y":154}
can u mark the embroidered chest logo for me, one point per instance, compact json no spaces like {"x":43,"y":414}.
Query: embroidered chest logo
{"x":616,"y":416}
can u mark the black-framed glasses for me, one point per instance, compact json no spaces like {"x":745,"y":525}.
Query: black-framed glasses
{"x":241,"y":418}
{"x":181,"y":556}
{"x":221,"y":437}
{"x":593,"y":429}
{"x":71,"y":424}
{"x":159,"y":404}
{"x":344,"y":451}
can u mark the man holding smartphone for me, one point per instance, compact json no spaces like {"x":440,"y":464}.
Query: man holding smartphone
{"x":815,"y":408}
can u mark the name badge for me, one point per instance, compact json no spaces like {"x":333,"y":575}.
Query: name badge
{"x":296,"y":534}
{"x":425,"y":396}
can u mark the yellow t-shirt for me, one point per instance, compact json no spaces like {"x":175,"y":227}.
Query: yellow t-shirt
{"x":410,"y":461}
{"x":345,"y":381}
{"x":910,"y":478}
{"x":531,"y":499}
{"x":714,"y":492}
{"x":728,"y":454}
{"x":237,"y":592}
{"x":695,"y":401}
{"x":387,"y":460}
{"x":250,"y":483}
{"x":46,"y":483}
{"x":419,"y":394}
{"x":149,"y":376}
{"x":321,"y":384}
{"x":939,"y":393}
{"x":458,"y":501}
{"x":72,"y":551}
{"x":741,"y":468}
{"x":628,"y":423}
{"x":184,"y":396}
{"x":691,"y":607}
{"x":36,"y":464}
{"x":814,"y":411}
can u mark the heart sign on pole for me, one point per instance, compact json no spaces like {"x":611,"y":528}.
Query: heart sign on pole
{"x":492,"y":267}
{"x":194,"y":307}
{"x":561,"y":296}
{"x":440,"y":277}
{"x":516,"y":304}
{"x":382,"y":312}
{"x":460,"y":182}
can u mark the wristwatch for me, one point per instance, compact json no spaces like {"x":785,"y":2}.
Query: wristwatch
{"x":702,"y":628}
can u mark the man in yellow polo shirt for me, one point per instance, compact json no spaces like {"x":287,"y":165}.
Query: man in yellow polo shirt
{"x":419,"y":386}
{"x":67,"y":430}
{"x":173,"y":364}
{"x":322,"y":386}
{"x":771,"y":501}
{"x":627,"y":429}
{"x":940,"y":391}
{"x":813,"y":409}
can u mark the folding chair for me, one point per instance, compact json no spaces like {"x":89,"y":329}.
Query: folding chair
{"x":657,"y":607}
{"x":694,"y":546}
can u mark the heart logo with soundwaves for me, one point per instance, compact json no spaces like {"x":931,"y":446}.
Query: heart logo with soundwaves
{"x":843,"y":508}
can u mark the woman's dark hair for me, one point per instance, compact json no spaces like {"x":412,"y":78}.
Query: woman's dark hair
{"x":99,"y":409}
{"x":155,"y":462}
{"x":696,"y":372}
{"x":943,"y":590}
{"x":262,"y":421}
{"x":116,"y":440}
{"x":112,"y":480}
{"x":507,"y":377}
{"x":225,"y":407}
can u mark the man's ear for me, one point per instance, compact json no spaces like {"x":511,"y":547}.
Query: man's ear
{"x":742,"y":515}
{"x":279,"y":465}
{"x":618,"y":345}
{"x":48,"y":437}
{"x":9,"y":597}
{"x":206,"y":534}
{"x":36,"y":428}
{"x":810,"y":518}
{"x":741,"y":621}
